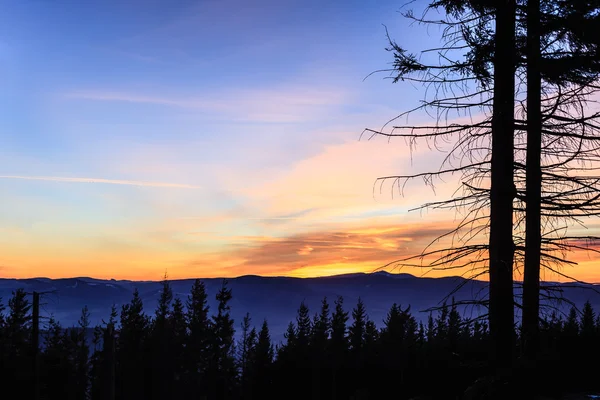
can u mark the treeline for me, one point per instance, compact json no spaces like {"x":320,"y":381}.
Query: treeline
{"x":186,"y":352}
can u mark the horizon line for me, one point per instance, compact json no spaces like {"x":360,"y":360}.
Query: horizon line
{"x":276,"y":276}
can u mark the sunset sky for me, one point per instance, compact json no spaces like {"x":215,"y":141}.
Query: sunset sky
{"x":206,"y":138}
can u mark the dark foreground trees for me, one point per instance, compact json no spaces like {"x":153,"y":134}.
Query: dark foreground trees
{"x":335,"y":354}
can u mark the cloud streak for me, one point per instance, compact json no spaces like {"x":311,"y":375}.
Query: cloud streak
{"x":283,"y":103}
{"x":101,"y":180}
{"x":336,"y":251}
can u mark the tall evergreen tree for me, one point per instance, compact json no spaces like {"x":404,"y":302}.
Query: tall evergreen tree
{"x":179,"y":336}
{"x":18,"y":342}
{"x":132,"y":381}
{"x":57,"y":363}
{"x":197,"y":348}
{"x":245,"y":349}
{"x":304,"y":328}
{"x":79,"y":342}
{"x":356,"y":333}
{"x":160,"y":343}
{"x":338,"y":346}
{"x":100,"y":378}
{"x":262,"y":364}
{"x":319,"y":350}
{"x":222,"y":367}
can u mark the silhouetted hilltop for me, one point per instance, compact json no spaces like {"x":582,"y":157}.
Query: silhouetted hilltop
{"x":274,"y":298}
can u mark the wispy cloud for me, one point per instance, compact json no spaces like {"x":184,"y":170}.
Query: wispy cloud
{"x":283,"y":103}
{"x":147,"y":99}
{"x":100,"y":180}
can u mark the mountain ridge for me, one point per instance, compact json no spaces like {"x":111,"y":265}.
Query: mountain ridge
{"x":273,"y":298}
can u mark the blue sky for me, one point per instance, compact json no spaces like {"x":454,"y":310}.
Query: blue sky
{"x":193,"y":136}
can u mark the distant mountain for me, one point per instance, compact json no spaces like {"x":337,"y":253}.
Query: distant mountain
{"x":273,"y":298}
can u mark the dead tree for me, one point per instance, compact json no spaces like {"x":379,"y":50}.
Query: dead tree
{"x":469,"y":30}
{"x":483,"y":149}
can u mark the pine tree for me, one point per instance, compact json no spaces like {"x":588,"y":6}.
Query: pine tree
{"x":291,"y":338}
{"x":356,"y":333}
{"x":394,"y":340}
{"x":262,"y":364}
{"x":339,"y":329}
{"x":99,"y":378}
{"x":588,"y":326}
{"x":81,"y":357}
{"x":179,"y":336}
{"x":222,"y":366}
{"x":441,"y":324}
{"x":57,"y":363}
{"x":18,"y":340}
{"x":357,"y":337}
{"x":430,"y":333}
{"x":244,"y":348}
{"x":589,"y":342}
{"x":454,"y":328}
{"x":421,"y":339}
{"x":321,"y":328}
{"x":197,"y":349}
{"x":571,"y":327}
{"x":132,"y":352}
{"x":338,"y":346}
{"x":304,"y":328}
{"x":161,"y":342}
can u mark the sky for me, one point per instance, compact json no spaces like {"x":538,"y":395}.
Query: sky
{"x":207,"y":138}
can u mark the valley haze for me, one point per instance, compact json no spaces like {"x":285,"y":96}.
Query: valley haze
{"x":273,"y":298}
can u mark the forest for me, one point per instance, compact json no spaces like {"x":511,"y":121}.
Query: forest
{"x":187,"y":351}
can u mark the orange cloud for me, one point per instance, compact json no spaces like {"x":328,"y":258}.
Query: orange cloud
{"x":339,"y":251}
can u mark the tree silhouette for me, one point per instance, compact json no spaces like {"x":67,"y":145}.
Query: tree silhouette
{"x":448,"y":350}
{"x":132,"y":351}
{"x":197,"y":346}
{"x":222,"y":366}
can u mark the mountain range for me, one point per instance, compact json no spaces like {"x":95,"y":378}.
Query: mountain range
{"x":274,"y":298}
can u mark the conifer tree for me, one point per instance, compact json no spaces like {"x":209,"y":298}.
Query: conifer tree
{"x":321,"y":327}
{"x":99,"y":378}
{"x":18,"y":340}
{"x":319,"y":349}
{"x":179,"y":336}
{"x":245,"y":348}
{"x":588,"y":326}
{"x":304,"y":328}
{"x":132,"y":381}
{"x":222,"y":367}
{"x":160,"y":343}
{"x":197,"y":347}
{"x":571,"y":326}
{"x":356,"y":332}
{"x":57,"y":363}
{"x":81,"y":349}
{"x":246,"y":351}
{"x":454,"y":327}
{"x":262,"y":364}
{"x":338,"y":345}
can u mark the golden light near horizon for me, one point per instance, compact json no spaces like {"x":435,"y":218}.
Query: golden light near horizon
{"x":144,"y":148}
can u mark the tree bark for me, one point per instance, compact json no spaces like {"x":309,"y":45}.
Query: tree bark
{"x":533,"y":180}
{"x":503,"y":191}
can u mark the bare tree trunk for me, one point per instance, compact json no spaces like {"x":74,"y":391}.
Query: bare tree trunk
{"x":533,"y":240}
{"x":501,"y":245}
